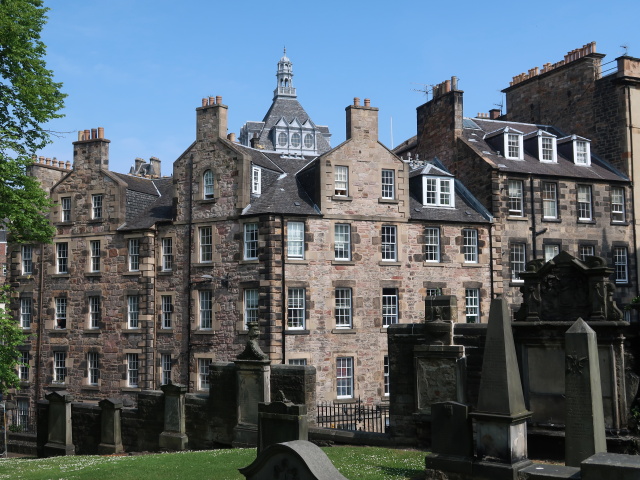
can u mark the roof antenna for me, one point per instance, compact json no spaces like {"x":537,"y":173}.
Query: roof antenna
{"x":626,"y":48}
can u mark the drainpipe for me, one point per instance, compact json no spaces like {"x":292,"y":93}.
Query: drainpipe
{"x":633,"y":180}
{"x":533,"y":222}
{"x":282,"y":293}
{"x":151,"y":352}
{"x":491,"y":295}
{"x":39,"y":370}
{"x":188,"y":282}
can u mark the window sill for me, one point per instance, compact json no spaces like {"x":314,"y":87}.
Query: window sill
{"x":296,"y":332}
{"x":165,"y":330}
{"x":95,"y":220}
{"x":95,"y":331}
{"x":131,"y":389}
{"x":90,"y":387}
{"x":433,"y":264}
{"x":137,"y":273}
{"x":345,"y":400}
{"x":344,"y":331}
{"x":551,"y":220}
{"x":586,"y":222}
{"x":622,"y":224}
{"x":517,"y":219}
{"x":342,"y":262}
{"x":26,"y":278}
{"x":25,"y":384}
{"x":622,"y":284}
{"x":388,"y":263}
{"x":206,"y":200}
{"x":297,"y":261}
{"x":62,"y":224}
{"x":340,"y":198}
{"x":56,"y":331}
{"x":392,"y":201}
{"x":165,"y":273}
{"x":131,"y":330}
{"x":93,"y":274}
{"x":473,"y":265}
{"x":248,"y":261}
{"x":200,"y":331}
{"x":384,"y":329}
{"x":516,"y":284}
{"x":60,"y":275}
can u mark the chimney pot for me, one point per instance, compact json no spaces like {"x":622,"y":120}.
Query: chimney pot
{"x":454,"y":83}
{"x":68,"y":164}
{"x":232,"y":137}
{"x":367,"y":102}
{"x":41,"y":160}
{"x":100,"y":132}
{"x":212,"y":101}
{"x":48,"y":161}
{"x":80,"y":135}
{"x":87,"y":134}
{"x":204,"y":102}
{"x":447,"y":86}
{"x":94,"y":133}
{"x":356,"y":101}
{"x":218,"y":100}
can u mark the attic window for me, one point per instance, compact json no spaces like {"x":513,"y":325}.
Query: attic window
{"x":547,"y":149}
{"x":437,"y":192}
{"x":256,"y":180}
{"x":581,"y":152}
{"x":282,"y":139}
{"x":295,"y":140}
{"x":513,"y":146}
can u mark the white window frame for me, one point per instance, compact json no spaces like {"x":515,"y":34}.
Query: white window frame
{"x":515,"y":190}
{"x":585,"y":202}
{"x":133,"y":255}
{"x":208,"y":189}
{"x":23,"y":366}
{"x":517,"y":261}
{"x":62,"y":257}
{"x":296,"y":308}
{"x":205,"y":236}
{"x":513,"y":146}
{"x":297,"y":361}
{"x":621,"y":264}
{"x":388,"y":184}
{"x":26,"y":256}
{"x":582,"y":152}
{"x":65,"y":209}
{"x":94,"y":252}
{"x":308,"y":144}
{"x":167,"y":254}
{"x":295,"y":240}
{"x":296,"y":140}
{"x":95,"y":313}
{"x":133,"y":312}
{"x":96,"y":206}
{"x":341,"y":181}
{"x":23,"y":412}
{"x":549,"y":200}
{"x":26,"y":312}
{"x":165,"y":365}
{"x":432,"y":244}
{"x":389,"y":306}
{"x":344,"y":377}
{"x":389,"y":243}
{"x":250,"y":236}
{"x":585,"y":251}
{"x":59,"y":367}
{"x":472,"y":305}
{"x":342,"y":241}
{"x":617,"y":205}
{"x":470,"y":245}
{"x":205,"y":308}
{"x":204,"y":367}
{"x":93,"y":368}
{"x":256,"y":180}
{"x":438,"y":192}
{"x":344,"y":307}
{"x":61,"y":313}
{"x":545,"y":151}
{"x":386,"y":375}
{"x":166,"y":304}
{"x":550,"y":251}
{"x":133,"y":370}
{"x":251,"y":304}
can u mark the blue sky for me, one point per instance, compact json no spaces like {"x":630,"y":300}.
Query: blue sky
{"x":139,"y":68}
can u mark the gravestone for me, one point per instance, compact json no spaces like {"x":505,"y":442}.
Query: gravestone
{"x":281,"y":421}
{"x":59,"y":441}
{"x":110,"y":426}
{"x":584,"y":429}
{"x":297,"y":460}
{"x":451,"y":438}
{"x":174,"y":436}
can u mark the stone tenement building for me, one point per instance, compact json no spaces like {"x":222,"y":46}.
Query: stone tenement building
{"x":150,"y":279}
{"x":546,"y":189}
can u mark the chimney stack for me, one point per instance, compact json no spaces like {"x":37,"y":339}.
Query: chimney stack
{"x":494,"y":113}
{"x":362,"y":122}
{"x":91,"y":150}
{"x":211,"y":119}
{"x":155,"y":167}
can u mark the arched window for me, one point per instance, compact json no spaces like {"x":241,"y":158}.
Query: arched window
{"x":295,"y":140}
{"x":207,"y":182}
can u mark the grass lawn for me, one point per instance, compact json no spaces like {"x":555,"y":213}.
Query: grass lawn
{"x":355,"y":463}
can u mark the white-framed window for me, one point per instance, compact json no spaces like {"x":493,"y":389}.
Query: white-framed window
{"x":343,"y":308}
{"x":61,"y":313}
{"x":550,"y":251}
{"x":617,"y":204}
{"x":388,"y":184}
{"x":433,"y":292}
{"x":295,"y":239}
{"x":205,"y":298}
{"x":585,"y":211}
{"x":204,"y":365}
{"x":94,"y":312}
{"x":27,"y":259}
{"x":94,"y":252}
{"x":167,"y":254}
{"x":517,"y":260}
{"x":389,"y":306}
{"x":62,"y":257}
{"x":513,"y":146}
{"x":23,"y":366}
{"x":308,"y":141}
{"x":549,"y":200}
{"x":250,"y":241}
{"x":93,"y":368}
{"x":385,"y":374}
{"x":515,"y":190}
{"x":297,"y":361}
{"x":133,"y":311}
{"x":342,"y":241}
{"x":133,"y":367}
{"x":167,"y":311}
{"x":250,"y":306}
{"x":585,"y":251}
{"x":548,"y":150}
{"x":256,"y":180}
{"x":206,"y":244}
{"x":438,"y":192}
{"x":165,"y":361}
{"x":470,"y":245}
{"x":389,"y":243}
{"x":295,"y":140}
{"x":207,"y":185}
{"x":65,"y":209}
{"x":23,"y":412}
{"x":344,"y":377}
{"x":134,"y":254}
{"x":432,"y":244}
{"x":26,"y":312}
{"x":96,"y":206}
{"x":472,"y":304}
{"x":341,"y":181}
{"x":59,"y":367}
{"x":296,"y":308}
{"x":582,"y":152}
{"x":282,"y":139}
{"x":621,"y":264}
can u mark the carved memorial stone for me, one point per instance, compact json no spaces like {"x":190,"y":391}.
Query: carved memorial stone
{"x":281,"y":421}
{"x":174,"y":436}
{"x":59,"y":441}
{"x":110,"y":426}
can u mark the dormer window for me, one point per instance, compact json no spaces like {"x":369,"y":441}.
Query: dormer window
{"x":438,"y":192}
{"x":507,"y":140}
{"x":295,"y":140}
{"x":256,"y":180}
{"x":576,"y":148}
{"x":581,"y":152}
{"x":548,"y":149}
{"x":514,"y":146}
{"x":282,"y":139}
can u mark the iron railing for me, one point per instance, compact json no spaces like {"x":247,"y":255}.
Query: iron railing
{"x":21,"y":420}
{"x":354,"y":416}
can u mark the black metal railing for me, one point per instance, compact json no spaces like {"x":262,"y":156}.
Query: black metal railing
{"x":22,"y":420}
{"x":354,"y":416}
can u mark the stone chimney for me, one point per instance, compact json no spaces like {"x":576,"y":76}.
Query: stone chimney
{"x":362,"y":122}
{"x":211,"y":119}
{"x":232,"y":137}
{"x":91,"y":151}
{"x":494,"y":113}
{"x":138,"y":163}
{"x":155,"y":167}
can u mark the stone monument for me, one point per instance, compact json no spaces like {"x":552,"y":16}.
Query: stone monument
{"x":59,"y":441}
{"x":281,"y":421}
{"x":584,"y":418}
{"x":174,"y":436}
{"x":110,"y":426}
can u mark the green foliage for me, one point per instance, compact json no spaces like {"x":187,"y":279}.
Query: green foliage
{"x":29,"y":98}
{"x":11,"y":336}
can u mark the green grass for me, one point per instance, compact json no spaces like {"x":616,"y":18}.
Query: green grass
{"x":355,"y":463}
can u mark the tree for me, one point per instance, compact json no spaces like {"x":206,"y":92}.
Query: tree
{"x":11,"y":337}
{"x":29,"y":98}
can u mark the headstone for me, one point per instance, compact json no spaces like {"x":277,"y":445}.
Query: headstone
{"x":451,"y":438}
{"x":59,"y":441}
{"x":110,"y":426}
{"x":440,"y":375}
{"x":610,"y":465}
{"x":584,"y":429}
{"x":174,"y":436}
{"x":299,"y":460}
{"x":281,"y":421}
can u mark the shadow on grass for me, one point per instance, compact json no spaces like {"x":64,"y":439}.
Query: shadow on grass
{"x":409,"y":473}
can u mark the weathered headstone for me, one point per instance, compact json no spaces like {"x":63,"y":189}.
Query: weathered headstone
{"x":584,"y":430}
{"x":110,"y":426}
{"x":451,"y":438}
{"x":174,"y":436}
{"x":281,"y":421}
{"x":299,"y":460}
{"x":59,"y":441}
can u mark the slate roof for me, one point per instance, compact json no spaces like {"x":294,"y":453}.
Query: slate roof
{"x":475,"y":129}
{"x":148,"y":201}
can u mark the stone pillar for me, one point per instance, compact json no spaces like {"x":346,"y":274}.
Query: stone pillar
{"x":110,"y":426}
{"x":174,"y":437}
{"x":59,"y":441}
{"x":281,"y":421}
{"x":584,"y":417}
